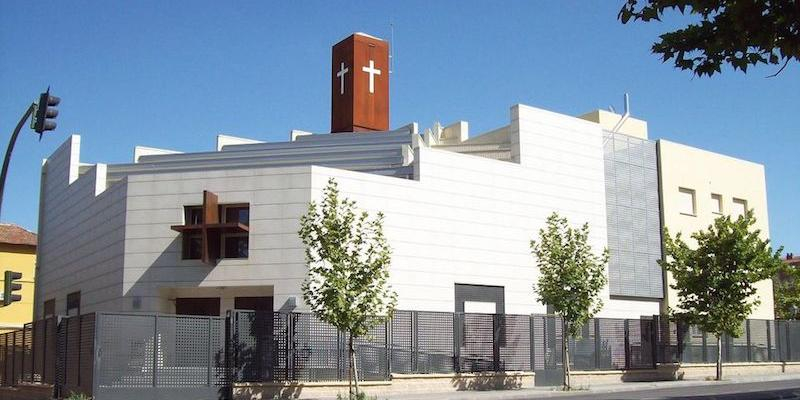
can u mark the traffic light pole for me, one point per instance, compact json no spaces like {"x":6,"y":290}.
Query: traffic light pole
{"x":11,"y":144}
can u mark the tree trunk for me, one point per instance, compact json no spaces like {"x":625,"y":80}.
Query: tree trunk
{"x":565,"y":358}
{"x":350,"y":370}
{"x":719,"y":357}
{"x":353,"y":366}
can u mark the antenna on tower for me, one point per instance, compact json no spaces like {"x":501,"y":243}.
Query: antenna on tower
{"x":391,"y":46}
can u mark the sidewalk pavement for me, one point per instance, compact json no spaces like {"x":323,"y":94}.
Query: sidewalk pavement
{"x":555,"y":392}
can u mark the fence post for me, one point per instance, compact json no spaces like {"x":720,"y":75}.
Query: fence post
{"x":749,"y":349}
{"x":210,"y":366}
{"x":724,"y":343}
{"x":44,"y":351}
{"x":388,"y":333}
{"x":34,"y":352}
{"x":13,"y":358}
{"x":597,"y":343}
{"x":788,"y":342}
{"x":22,"y":363}
{"x":155,"y":350}
{"x":80,"y":343}
{"x":414,"y":342}
{"x":60,"y":377}
{"x":290,"y":348}
{"x":704,"y":346}
{"x":2,"y":359}
{"x":769,"y":342}
{"x":96,"y":348}
{"x":532,"y":342}
{"x":627,"y":345}
{"x":340,"y":356}
{"x":654,"y":335}
{"x":680,"y":339}
{"x":457,"y":335}
{"x":496,"y":342}
{"x":229,"y":346}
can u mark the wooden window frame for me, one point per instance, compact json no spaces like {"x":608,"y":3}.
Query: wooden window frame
{"x":212,"y":229}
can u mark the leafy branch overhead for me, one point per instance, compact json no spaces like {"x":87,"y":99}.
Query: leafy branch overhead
{"x":734,"y":32}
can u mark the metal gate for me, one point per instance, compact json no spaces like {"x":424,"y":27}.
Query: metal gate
{"x":156,"y":356}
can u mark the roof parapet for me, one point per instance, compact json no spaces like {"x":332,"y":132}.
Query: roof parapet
{"x":141,"y":151}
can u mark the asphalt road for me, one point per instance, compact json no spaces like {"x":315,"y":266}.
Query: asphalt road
{"x":787,"y":389}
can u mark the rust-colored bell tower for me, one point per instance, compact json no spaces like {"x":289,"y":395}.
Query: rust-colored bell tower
{"x":360,"y":84}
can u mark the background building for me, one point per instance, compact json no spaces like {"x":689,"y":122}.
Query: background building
{"x":18,"y":254}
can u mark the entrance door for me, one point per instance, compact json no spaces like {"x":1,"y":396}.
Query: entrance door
{"x":208,"y":306}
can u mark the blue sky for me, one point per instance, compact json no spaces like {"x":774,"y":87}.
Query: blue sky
{"x":175,"y":74}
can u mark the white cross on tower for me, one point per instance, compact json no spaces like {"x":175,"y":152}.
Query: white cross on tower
{"x":340,"y":75}
{"x":372,"y":72}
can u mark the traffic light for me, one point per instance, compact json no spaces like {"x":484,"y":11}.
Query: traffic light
{"x":10,"y":287}
{"x":44,"y":120}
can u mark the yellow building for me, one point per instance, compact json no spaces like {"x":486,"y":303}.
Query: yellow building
{"x":697,"y":186}
{"x":18,"y":254}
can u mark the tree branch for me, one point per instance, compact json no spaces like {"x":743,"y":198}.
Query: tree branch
{"x":780,"y":70}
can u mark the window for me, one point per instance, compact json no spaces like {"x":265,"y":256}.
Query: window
{"x":193,"y":215}
{"x":213,"y":231}
{"x":192,"y":246}
{"x":74,"y":304}
{"x":738,"y":208}
{"x":192,"y":242}
{"x":237,"y":213}
{"x":716,"y":203}
{"x":235,"y":245}
{"x":50,"y":308}
{"x":686,"y":203}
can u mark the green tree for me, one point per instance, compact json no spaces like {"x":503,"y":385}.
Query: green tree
{"x":716,"y":278}
{"x":571,"y":277}
{"x":787,"y":292}
{"x":348,"y":262}
{"x":738,"y":33}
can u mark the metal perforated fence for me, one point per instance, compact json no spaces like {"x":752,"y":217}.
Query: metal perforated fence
{"x":55,"y":350}
{"x":266,"y":347}
{"x":123,"y":356}
{"x":277,"y":347}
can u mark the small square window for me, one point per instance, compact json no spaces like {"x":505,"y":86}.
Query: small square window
{"x":192,"y":246}
{"x":50,"y":308}
{"x":239,"y":214}
{"x":738,"y":208}
{"x":716,"y":204}
{"x":193,"y":215}
{"x":686,"y":202}
{"x":74,"y":304}
{"x":236,"y":246}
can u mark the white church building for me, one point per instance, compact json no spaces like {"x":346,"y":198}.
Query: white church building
{"x":202,"y":233}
